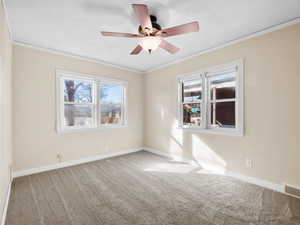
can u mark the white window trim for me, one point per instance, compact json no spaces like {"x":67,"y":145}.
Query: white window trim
{"x":98,"y":80}
{"x":204,"y":74}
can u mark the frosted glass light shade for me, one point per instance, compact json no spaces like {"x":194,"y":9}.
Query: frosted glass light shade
{"x":150,"y":43}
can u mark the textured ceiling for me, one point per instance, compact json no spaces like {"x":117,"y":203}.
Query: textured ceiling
{"x":73,"y":26}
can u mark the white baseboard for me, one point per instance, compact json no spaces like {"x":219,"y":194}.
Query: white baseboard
{"x":248,"y":179}
{"x":74,"y":162}
{"x":166,"y":154}
{"x":3,"y":218}
{"x":256,"y":181}
{"x":252,"y":180}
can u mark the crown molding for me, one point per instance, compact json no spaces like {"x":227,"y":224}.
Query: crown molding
{"x":228,"y":43}
{"x":79,"y":57}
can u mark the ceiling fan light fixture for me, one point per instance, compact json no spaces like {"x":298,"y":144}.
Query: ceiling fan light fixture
{"x":150,"y":33}
{"x":150,"y":43}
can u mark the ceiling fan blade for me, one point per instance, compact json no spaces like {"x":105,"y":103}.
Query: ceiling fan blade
{"x":168,"y":47}
{"x":137,"y":50}
{"x":181,"y":29}
{"x":142,"y":13}
{"x":116,"y":34}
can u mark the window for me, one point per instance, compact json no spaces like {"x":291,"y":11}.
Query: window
{"x":191,"y":104}
{"x":86,"y":102}
{"x":111,"y":104}
{"x":212,"y":100}
{"x":79,"y":103}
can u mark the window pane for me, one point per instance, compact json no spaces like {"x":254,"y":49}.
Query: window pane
{"x":191,"y":114}
{"x":78,"y":115}
{"x":223,"y":114}
{"x":222,"y":86}
{"x":111,"y":99}
{"x":192,"y":90}
{"x":77,"y":91}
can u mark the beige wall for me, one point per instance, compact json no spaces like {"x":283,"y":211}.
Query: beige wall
{"x":5,"y":108}
{"x":272,"y":138}
{"x":36,"y":142}
{"x":271,"y":110}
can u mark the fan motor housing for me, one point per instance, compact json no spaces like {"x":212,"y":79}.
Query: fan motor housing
{"x":155,"y":25}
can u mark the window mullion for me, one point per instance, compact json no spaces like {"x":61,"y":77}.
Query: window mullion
{"x":193,"y":102}
{"x":204,"y":101}
{"x":123,"y":107}
{"x":79,"y":103}
{"x":213,"y":105}
{"x":62,"y":105}
{"x":223,"y":100}
{"x":99,"y":104}
{"x":95,"y":101}
{"x":180,"y":103}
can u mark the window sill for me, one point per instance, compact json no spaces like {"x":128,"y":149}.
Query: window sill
{"x":219,"y":131}
{"x":86,"y":129}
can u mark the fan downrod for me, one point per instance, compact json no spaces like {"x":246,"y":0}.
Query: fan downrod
{"x":156,"y":27}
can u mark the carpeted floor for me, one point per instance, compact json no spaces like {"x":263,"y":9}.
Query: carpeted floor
{"x":144,"y":189}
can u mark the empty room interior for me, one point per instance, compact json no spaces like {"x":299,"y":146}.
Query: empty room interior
{"x":154,"y":112}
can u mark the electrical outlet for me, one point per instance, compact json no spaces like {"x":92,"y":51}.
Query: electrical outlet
{"x":59,"y":157}
{"x":249,"y":163}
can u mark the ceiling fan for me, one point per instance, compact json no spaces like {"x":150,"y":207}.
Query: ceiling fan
{"x":151,"y":34}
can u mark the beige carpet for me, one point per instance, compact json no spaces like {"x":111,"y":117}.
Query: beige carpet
{"x":144,"y":189}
